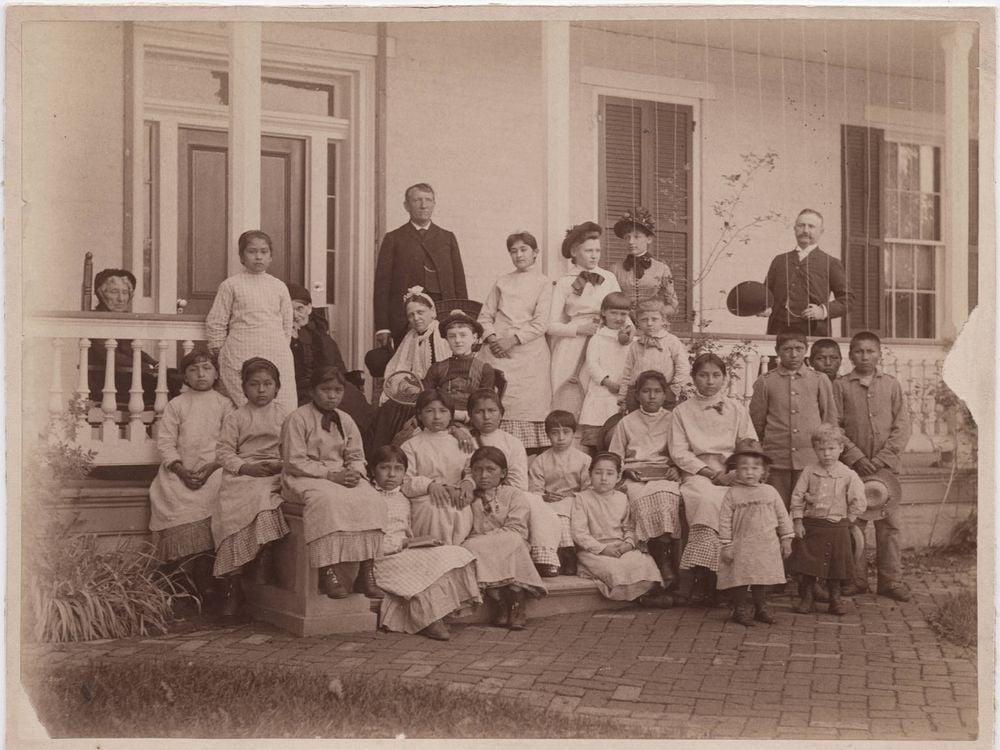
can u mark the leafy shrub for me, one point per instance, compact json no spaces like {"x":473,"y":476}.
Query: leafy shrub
{"x":73,"y":589}
{"x":963,"y":536}
{"x":79,"y":592}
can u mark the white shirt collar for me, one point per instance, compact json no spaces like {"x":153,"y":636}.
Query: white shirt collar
{"x":804,"y":252}
{"x":418,"y":228}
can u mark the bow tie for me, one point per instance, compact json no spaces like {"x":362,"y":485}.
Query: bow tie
{"x":490,"y":505}
{"x":717,"y":406}
{"x":651,"y":342}
{"x":640,"y":263}
{"x":332,"y":417}
{"x":581,"y":281}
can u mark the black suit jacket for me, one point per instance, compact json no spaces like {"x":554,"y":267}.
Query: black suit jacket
{"x":808,"y":282}
{"x":401,"y":265}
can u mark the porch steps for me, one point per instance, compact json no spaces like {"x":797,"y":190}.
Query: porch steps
{"x":567,"y":595}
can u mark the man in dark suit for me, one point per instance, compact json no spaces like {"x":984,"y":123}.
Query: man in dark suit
{"x":419,"y":253}
{"x":801,"y":282}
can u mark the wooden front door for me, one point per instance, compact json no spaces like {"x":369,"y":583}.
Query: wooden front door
{"x":202,"y":213}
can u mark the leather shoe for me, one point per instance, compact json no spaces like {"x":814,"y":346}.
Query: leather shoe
{"x":547,"y":571}
{"x":852,"y":589}
{"x":330,"y":585}
{"x":437,"y":631}
{"x":897,"y":591}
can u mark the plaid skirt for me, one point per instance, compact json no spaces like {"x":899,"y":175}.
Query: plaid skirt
{"x":184,"y":540}
{"x":656,"y":514}
{"x":240,"y":548}
{"x":702,"y":549}
{"x":531,"y":434}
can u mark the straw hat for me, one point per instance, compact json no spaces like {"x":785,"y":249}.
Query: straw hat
{"x":883,"y":491}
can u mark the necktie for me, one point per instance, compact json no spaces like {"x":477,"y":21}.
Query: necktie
{"x":332,"y":417}
{"x":423,"y":233}
{"x":717,"y":406}
{"x":640,"y":263}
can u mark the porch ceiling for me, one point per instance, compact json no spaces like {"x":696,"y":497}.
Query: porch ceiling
{"x":898,"y":47}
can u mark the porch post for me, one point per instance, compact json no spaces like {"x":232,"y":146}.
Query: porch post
{"x":244,"y":132}
{"x":955,"y":188}
{"x":555,"y":71}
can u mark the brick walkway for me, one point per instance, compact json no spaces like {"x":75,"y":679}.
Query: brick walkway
{"x":878,"y":673}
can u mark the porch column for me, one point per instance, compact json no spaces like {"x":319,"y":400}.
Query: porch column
{"x":244,"y":133}
{"x":955,"y":188}
{"x":555,"y":71}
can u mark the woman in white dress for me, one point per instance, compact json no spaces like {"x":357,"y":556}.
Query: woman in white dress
{"x":576,"y":306}
{"x":252,"y":317}
{"x":515,"y":317}
{"x":703,"y":434}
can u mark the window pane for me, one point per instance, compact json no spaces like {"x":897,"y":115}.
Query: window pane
{"x":930,"y":210}
{"x":279,"y":95}
{"x":904,"y":267}
{"x":331,"y":278}
{"x":903,"y":317}
{"x":892,"y":153}
{"x":892,"y":213}
{"x":184,"y":81}
{"x":909,"y":167}
{"x":925,"y":316}
{"x":925,"y":268}
{"x":927,"y":169}
{"x":909,"y":215}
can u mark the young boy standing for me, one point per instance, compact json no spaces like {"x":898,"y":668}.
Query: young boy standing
{"x":654,"y":348}
{"x":876,"y":420}
{"x":789,"y":403}
{"x":825,"y":357}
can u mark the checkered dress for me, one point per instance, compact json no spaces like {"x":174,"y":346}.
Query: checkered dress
{"x":702,"y":549}
{"x":531,"y":434}
{"x":240,"y":548}
{"x":655,"y":514}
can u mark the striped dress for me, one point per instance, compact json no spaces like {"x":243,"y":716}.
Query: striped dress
{"x":252,"y":317}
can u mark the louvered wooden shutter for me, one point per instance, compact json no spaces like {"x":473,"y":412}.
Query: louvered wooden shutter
{"x":861,"y":220}
{"x":973,"y":224}
{"x":646,"y":160}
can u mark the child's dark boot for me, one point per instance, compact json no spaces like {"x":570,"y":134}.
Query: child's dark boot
{"x":820,"y":593}
{"x":232,"y":591}
{"x":761,"y":612}
{"x":567,"y":560}
{"x":836,"y":606}
{"x":330,"y":585}
{"x":366,"y":576}
{"x":501,"y":617}
{"x":805,"y":605}
{"x":518,"y":613}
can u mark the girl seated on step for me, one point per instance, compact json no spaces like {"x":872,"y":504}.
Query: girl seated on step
{"x":423,"y":579}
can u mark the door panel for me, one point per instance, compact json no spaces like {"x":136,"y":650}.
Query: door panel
{"x":203,"y":212}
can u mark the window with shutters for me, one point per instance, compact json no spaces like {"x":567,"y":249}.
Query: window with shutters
{"x":912,"y":205}
{"x":646,"y":160}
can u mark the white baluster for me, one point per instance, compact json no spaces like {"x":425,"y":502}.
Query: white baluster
{"x":83,"y":385}
{"x":109,"y":431}
{"x":136,"y":430}
{"x":161,"y":384}
{"x":940,"y":426}
{"x":56,"y":403}
{"x":186,"y":347}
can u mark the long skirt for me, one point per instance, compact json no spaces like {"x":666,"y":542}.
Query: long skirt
{"x":183,"y":540}
{"x":389,"y":420}
{"x":344,"y":546}
{"x":443,"y":522}
{"x":655,"y":506}
{"x":502,"y":559}
{"x":825,"y":552}
{"x":531,"y":434}
{"x":241,"y":500}
{"x":544,"y":529}
{"x":423,"y":585}
{"x":240,"y":548}
{"x":622,"y":579}
{"x":702,"y":501}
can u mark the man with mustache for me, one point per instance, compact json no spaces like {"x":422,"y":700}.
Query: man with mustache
{"x":801,"y":283}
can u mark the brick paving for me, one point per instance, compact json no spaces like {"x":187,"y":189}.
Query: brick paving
{"x":880,"y":672}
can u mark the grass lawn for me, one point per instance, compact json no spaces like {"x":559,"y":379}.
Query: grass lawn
{"x":955,"y":619}
{"x":170,"y":698}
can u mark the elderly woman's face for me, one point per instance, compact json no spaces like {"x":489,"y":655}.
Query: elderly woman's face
{"x":116,"y":293}
{"x":419,"y":316}
{"x":300,"y":313}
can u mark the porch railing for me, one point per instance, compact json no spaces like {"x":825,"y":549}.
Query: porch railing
{"x":118,"y":436}
{"x":63,"y":341}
